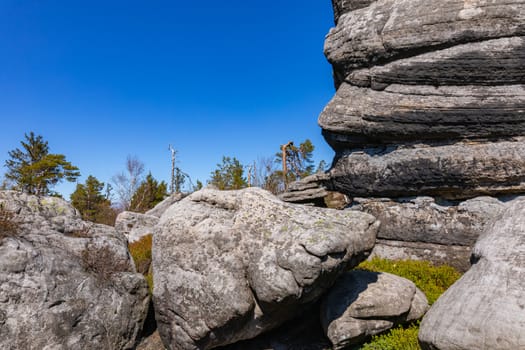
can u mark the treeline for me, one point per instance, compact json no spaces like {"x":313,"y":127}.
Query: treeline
{"x":34,"y":170}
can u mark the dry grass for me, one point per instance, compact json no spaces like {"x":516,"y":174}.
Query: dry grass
{"x":103,"y":262}
{"x":141,"y":253}
{"x":8,"y":226}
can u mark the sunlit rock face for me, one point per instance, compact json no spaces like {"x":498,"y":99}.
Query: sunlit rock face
{"x":430,"y":102}
{"x":230,"y":265}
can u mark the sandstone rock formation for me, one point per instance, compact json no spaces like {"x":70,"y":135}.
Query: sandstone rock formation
{"x":65,"y":283}
{"x":420,"y":228}
{"x":363,"y":304}
{"x":484,"y":308}
{"x":229,"y":265}
{"x":430,"y":101}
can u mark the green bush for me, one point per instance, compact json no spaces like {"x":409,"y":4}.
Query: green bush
{"x":432,"y":280}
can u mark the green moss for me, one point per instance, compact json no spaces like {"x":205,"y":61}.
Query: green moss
{"x":432,"y":280}
{"x":396,"y":339}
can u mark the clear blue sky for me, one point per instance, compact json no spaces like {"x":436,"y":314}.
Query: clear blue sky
{"x":100,"y":80}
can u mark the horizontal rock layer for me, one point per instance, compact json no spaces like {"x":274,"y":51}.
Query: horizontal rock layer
{"x":391,"y":29}
{"x":401,"y":113}
{"x":462,"y":170}
{"x":423,"y":220}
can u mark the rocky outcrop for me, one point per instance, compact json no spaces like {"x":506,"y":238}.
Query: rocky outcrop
{"x":230,"y":265}
{"x":484,"y":308}
{"x":363,"y":304}
{"x":134,"y":226}
{"x":65,"y":283}
{"x":428,"y":103}
{"x":421,"y":229}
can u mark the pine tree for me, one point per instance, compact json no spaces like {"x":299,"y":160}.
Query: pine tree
{"x":34,"y":170}
{"x":90,"y":201}
{"x":229,"y":175}
{"x":148,"y":194}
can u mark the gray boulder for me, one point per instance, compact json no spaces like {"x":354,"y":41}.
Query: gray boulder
{"x":134,"y":226}
{"x":484,"y":308}
{"x":165,"y":204}
{"x":65,"y":283}
{"x":230,"y":265}
{"x":363,"y":304}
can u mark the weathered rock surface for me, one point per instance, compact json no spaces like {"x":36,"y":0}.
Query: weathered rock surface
{"x":461,"y":170}
{"x":457,"y":256}
{"x":484,"y":308}
{"x":430,"y":98}
{"x":165,"y":204}
{"x":357,"y":116}
{"x":234,"y":264}
{"x":66,"y":283}
{"x":392,"y":29}
{"x":423,"y":220}
{"x":363,"y":303}
{"x":134,"y":226}
{"x":421,"y":229}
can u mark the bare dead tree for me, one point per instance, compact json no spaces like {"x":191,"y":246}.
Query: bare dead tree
{"x":127,"y":182}
{"x":173,"y":177}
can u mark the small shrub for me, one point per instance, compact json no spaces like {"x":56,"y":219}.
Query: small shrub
{"x":396,"y":339}
{"x":432,"y":280}
{"x":103,"y":262}
{"x":81,"y":233}
{"x":8,"y":226}
{"x":141,"y":252}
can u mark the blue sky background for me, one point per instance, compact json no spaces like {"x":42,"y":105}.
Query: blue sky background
{"x":100,"y":80}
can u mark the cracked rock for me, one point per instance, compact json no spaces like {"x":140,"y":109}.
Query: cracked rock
{"x":230,"y":265}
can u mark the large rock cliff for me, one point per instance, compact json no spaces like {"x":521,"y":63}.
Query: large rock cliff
{"x":430,"y":101}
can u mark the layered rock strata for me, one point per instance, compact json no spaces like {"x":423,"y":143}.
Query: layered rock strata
{"x":230,"y":265}
{"x":430,"y":101}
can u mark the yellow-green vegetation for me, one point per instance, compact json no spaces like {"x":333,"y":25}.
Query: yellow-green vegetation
{"x":396,"y":339}
{"x":141,"y":252}
{"x":432,"y":280}
{"x":8,"y":225}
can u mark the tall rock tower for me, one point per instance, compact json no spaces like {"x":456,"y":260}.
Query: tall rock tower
{"x":430,"y":102}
